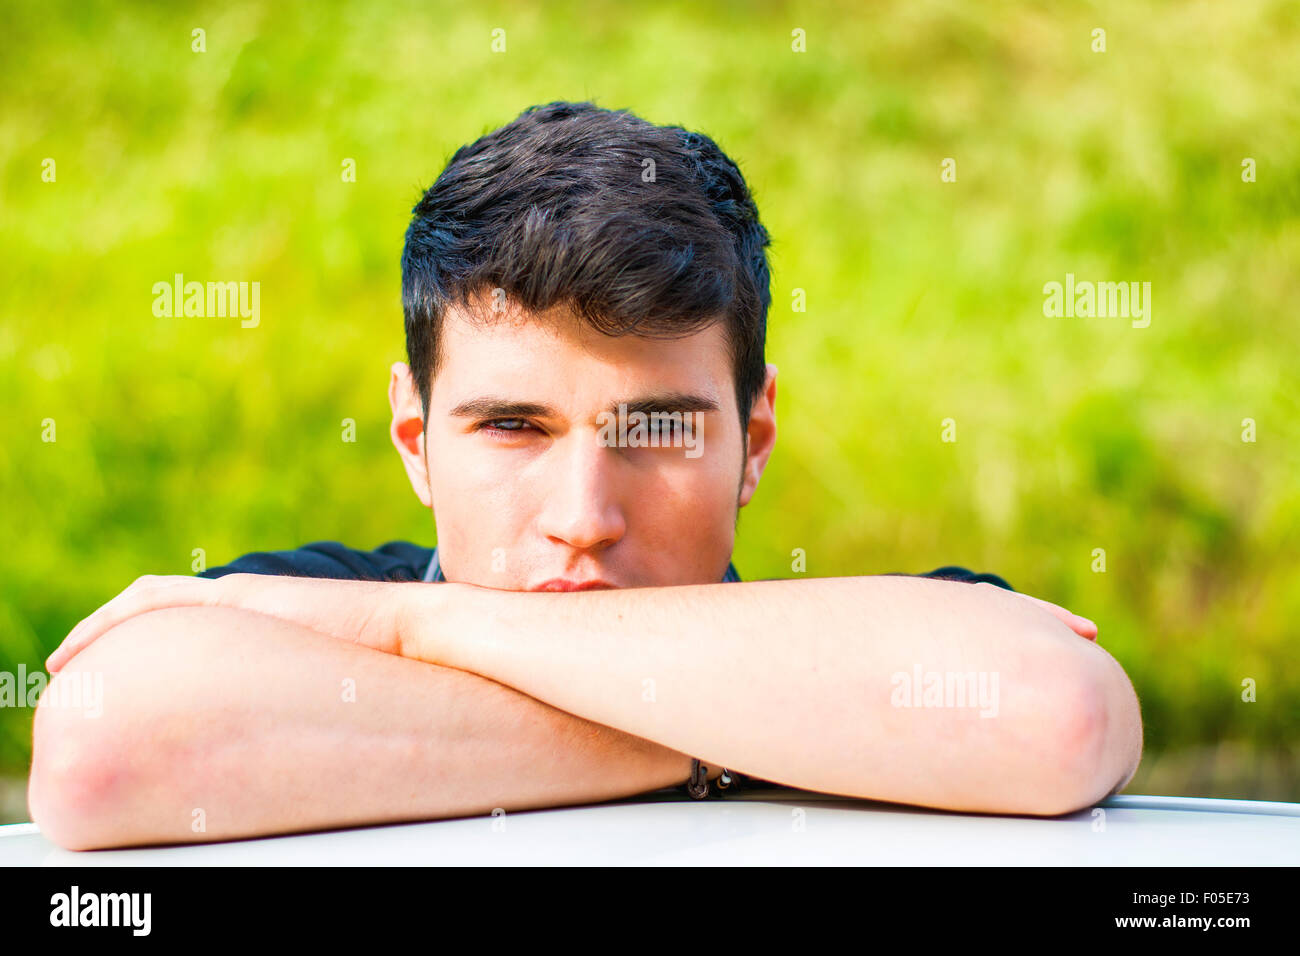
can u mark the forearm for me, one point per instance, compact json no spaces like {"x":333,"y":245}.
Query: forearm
{"x":267,"y":727}
{"x":792,"y":681}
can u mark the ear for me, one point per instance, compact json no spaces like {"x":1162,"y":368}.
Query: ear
{"x":760,"y":439}
{"x":407,"y":430}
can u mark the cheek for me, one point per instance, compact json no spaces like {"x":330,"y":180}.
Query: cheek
{"x":691,"y":503}
{"x":485,"y":489}
{"x":479,"y":493}
{"x":479,"y":510}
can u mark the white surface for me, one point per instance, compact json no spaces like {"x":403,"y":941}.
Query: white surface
{"x":776,"y":826}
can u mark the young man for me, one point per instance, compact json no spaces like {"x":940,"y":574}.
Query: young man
{"x":579,"y":634}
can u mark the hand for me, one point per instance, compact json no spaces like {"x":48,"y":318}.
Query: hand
{"x":1080,"y":625}
{"x":363,"y":612}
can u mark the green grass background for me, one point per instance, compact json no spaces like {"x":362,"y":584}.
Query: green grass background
{"x":924,"y":301}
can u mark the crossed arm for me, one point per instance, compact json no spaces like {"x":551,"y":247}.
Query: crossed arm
{"x":276,"y":704}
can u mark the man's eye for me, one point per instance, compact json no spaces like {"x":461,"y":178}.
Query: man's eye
{"x":504,"y":425}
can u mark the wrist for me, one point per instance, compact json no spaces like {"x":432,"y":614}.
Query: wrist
{"x":426,"y":620}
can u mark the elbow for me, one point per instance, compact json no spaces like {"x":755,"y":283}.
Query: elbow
{"x":77,"y":775}
{"x":94,"y":771}
{"x":1091,"y":742}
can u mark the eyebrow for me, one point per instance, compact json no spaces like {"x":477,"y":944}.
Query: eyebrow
{"x":489,"y":406}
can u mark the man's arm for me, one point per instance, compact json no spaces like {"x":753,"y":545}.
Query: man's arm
{"x":248,"y":719}
{"x":791,"y":681}
{"x":801,"y":682}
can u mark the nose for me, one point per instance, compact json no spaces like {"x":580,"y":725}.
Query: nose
{"x":582,"y":505}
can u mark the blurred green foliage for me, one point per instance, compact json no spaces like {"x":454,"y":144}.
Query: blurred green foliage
{"x":924,"y":298}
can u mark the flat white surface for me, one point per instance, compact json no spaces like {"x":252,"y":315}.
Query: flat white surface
{"x":776,"y":826}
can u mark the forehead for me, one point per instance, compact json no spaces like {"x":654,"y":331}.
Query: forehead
{"x":555,"y":351}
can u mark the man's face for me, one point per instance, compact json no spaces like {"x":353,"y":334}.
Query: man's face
{"x":528,"y":498}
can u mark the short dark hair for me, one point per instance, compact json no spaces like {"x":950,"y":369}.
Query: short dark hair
{"x":641,"y":229}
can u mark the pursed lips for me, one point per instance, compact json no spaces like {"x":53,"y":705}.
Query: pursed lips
{"x":564,"y":584}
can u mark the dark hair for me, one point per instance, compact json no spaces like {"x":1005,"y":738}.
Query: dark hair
{"x":641,"y":229}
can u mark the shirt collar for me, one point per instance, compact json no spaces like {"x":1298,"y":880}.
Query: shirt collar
{"x":434,"y":570}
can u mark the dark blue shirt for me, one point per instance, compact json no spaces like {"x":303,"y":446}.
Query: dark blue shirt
{"x":395,"y":561}
{"x":404,"y":561}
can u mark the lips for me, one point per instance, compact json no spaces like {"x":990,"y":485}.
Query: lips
{"x":564,"y":584}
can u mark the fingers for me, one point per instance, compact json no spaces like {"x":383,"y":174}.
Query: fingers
{"x":1080,"y":625}
{"x":148,"y":593}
